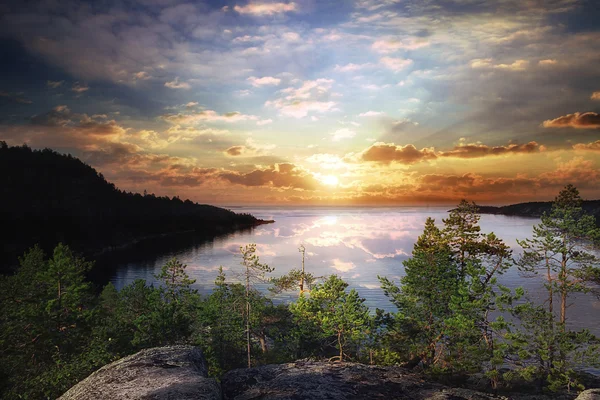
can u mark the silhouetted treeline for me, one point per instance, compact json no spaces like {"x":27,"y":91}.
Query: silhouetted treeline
{"x":47,"y":197}
{"x":537,"y":209}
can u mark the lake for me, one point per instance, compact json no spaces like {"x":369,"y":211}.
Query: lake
{"x":358,"y":244}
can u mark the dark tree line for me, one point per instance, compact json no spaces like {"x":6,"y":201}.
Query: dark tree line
{"x":47,"y":197}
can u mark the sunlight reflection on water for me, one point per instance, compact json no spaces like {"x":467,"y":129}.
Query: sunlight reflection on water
{"x":357,"y":244}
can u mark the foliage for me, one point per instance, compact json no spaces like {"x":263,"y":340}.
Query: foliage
{"x":295,"y":279}
{"x":423,"y":300}
{"x":254,"y":271}
{"x":447,"y":295}
{"x":339,"y":314}
{"x":562,"y":251}
{"x":46,"y":318}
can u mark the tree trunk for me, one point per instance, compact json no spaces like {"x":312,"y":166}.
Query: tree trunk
{"x":551,"y":311}
{"x":248,"y":317}
{"x":340,"y":346}
{"x":563,"y":287}
{"x":263,"y":343}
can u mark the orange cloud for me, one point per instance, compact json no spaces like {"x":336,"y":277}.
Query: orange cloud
{"x":587,"y":120}
{"x":281,"y":176}
{"x":235,"y":150}
{"x":482,"y":150}
{"x":594,"y":146}
{"x":386,"y":153}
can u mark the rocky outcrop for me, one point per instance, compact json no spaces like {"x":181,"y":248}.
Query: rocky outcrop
{"x":179,"y":373}
{"x":333,"y":381}
{"x":173,"y":372}
{"x":591,"y":394}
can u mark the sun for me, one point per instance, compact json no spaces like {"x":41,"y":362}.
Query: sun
{"x":330,"y":180}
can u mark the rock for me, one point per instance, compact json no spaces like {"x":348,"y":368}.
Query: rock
{"x":591,"y":394}
{"x":173,"y":372}
{"x":333,"y":381}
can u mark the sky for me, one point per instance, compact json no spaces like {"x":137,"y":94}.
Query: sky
{"x":352,"y":102}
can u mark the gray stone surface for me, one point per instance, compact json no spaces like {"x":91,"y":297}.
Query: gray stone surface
{"x":592,"y":394}
{"x":173,"y":372}
{"x":332,"y":381}
{"x":180,"y":373}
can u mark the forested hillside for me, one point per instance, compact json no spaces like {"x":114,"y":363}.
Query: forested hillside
{"x":47,"y":197}
{"x":537,"y":208}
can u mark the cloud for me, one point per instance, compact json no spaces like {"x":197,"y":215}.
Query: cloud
{"x":278,"y":176}
{"x":54,"y":84}
{"x":13,"y":98}
{"x":142,"y":75}
{"x":372,"y":114}
{"x":395,"y":64}
{"x":58,"y":116}
{"x":79,"y":87}
{"x":175,"y":84}
{"x":342,"y":266}
{"x":207,"y":116}
{"x":518,"y":65}
{"x":385,"y":153}
{"x":547,"y":62}
{"x":351,"y":67}
{"x":311,"y":96}
{"x":177,"y":132}
{"x":60,"y":128}
{"x":587,"y":120}
{"x":264,"y":122}
{"x":594,"y":146}
{"x":595,"y":96}
{"x":327,"y":161}
{"x":264,"y":81}
{"x":391,"y":45}
{"x":250,"y":149}
{"x":262,"y":9}
{"x":235,"y":150}
{"x":482,"y":150}
{"x":343,"y":133}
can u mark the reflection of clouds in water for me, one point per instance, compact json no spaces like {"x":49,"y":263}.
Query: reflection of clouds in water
{"x":377,"y":244}
{"x":342,"y":266}
{"x":370,"y":286}
{"x":324,"y":242}
{"x":262,"y":249}
{"x":328,"y":220}
{"x":358,"y":244}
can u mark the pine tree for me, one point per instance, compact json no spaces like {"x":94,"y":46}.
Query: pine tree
{"x":423,"y":299}
{"x":339,"y":314}
{"x":562,"y":249}
{"x":254,"y":271}
{"x":295,"y":279}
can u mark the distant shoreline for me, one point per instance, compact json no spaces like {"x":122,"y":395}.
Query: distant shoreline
{"x":536,"y":209}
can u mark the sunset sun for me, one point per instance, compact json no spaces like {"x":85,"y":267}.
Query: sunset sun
{"x":330,"y":180}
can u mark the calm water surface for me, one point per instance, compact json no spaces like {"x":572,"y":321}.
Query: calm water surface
{"x":355,"y":243}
